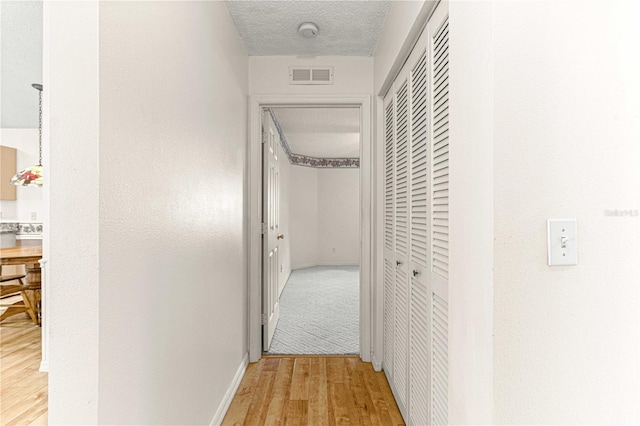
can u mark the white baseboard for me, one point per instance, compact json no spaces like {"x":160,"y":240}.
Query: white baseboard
{"x":309,"y":265}
{"x":338,"y":264}
{"x":231,"y":392}
{"x":285,"y":283}
{"x":377,"y":365}
{"x":44,"y":366}
{"x":302,"y":266}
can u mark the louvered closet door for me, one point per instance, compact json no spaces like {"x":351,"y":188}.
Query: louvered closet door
{"x":419,"y":341}
{"x":389,"y":235}
{"x":416,"y":228}
{"x":401,"y":294}
{"x":438,"y":29}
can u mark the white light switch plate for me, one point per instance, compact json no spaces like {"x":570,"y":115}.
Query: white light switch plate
{"x":562,"y":242}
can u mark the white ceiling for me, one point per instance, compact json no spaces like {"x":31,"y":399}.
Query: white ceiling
{"x":21,"y":46}
{"x":321,"y":132}
{"x":346,"y":28}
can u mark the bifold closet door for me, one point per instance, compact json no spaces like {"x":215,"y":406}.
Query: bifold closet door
{"x":438,"y":29}
{"x":389,"y":239}
{"x":416,"y":228}
{"x":401,"y":218}
{"x":419,"y":342}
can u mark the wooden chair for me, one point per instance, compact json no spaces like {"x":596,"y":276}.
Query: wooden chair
{"x":12,"y":286}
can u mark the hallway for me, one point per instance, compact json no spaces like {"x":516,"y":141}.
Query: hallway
{"x":152,"y":128}
{"x":313,"y":390}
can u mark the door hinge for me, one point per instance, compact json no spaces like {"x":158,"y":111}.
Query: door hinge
{"x":264,"y":319}
{"x":264,"y":228}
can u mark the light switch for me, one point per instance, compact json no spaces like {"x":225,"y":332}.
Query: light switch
{"x":562,"y":242}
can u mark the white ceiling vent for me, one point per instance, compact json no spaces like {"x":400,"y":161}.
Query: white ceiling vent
{"x":310,"y":75}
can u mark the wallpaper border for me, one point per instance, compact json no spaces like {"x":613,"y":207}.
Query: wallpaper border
{"x":303,"y":160}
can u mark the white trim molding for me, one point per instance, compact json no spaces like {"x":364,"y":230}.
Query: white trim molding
{"x":253,"y":214}
{"x":44,"y":362}
{"x":377,"y":365}
{"x":231,"y":392}
{"x":311,"y":265}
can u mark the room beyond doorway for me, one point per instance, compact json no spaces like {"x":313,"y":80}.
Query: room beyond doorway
{"x":364,"y":303}
{"x":311,"y":241}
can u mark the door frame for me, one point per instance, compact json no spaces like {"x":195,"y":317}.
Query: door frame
{"x":253,"y":212}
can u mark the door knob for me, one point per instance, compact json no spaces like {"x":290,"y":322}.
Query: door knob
{"x":281,"y":237}
{"x":398,"y":263}
{"x":415,"y":273}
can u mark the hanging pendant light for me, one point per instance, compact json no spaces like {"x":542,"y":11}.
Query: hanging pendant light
{"x":32,"y":176}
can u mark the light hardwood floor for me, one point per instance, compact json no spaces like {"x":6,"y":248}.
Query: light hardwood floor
{"x":301,"y":390}
{"x":23,"y":389}
{"x":313,"y":390}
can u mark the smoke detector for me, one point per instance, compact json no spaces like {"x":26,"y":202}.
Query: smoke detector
{"x":308,"y":30}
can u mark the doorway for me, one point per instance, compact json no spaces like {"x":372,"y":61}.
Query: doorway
{"x":258,"y":104}
{"x":311,"y":241}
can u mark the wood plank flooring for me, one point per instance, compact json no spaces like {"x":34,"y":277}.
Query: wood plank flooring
{"x":23,"y":389}
{"x":287,"y":390}
{"x":313,"y":390}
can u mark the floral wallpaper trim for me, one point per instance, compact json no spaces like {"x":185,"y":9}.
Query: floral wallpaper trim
{"x":20,"y":228}
{"x":29,"y":228}
{"x":8,"y":228}
{"x":322,"y":163}
{"x":283,"y":140}
{"x":303,"y":160}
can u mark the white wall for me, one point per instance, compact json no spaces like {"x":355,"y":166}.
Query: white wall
{"x":404,"y":21}
{"x":567,"y":126}
{"x":170,"y":107}
{"x":71,"y":107}
{"x":28,"y":198}
{"x":470,"y":345}
{"x":169,"y":224}
{"x":324,"y":215}
{"x":338,"y":217}
{"x":303,"y":217}
{"x":270,"y":75}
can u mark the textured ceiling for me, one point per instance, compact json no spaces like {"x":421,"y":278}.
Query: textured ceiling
{"x":346,"y":28}
{"x":321,"y":132}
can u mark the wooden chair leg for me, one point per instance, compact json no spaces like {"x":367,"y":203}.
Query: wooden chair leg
{"x":30,"y":302}
{"x":13,"y":310}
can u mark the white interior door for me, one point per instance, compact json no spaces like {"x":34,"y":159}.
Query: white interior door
{"x":270,"y":230}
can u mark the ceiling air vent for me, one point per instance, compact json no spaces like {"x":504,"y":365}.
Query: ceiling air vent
{"x":310,"y":75}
